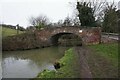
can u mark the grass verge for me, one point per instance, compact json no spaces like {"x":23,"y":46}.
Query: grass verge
{"x":68,"y":64}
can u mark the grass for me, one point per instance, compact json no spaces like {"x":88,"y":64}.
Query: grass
{"x":109,"y":51}
{"x":104,"y":61}
{"x":68,"y":64}
{"x":9,"y":32}
{"x":0,"y":31}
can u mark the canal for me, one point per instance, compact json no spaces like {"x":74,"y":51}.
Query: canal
{"x":28,"y":63}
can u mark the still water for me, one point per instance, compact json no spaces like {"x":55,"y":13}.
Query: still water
{"x":0,"y":65}
{"x":28,"y":63}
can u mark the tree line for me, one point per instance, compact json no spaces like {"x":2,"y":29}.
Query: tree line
{"x":93,"y":13}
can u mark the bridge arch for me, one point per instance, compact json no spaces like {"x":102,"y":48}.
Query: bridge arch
{"x":55,"y":37}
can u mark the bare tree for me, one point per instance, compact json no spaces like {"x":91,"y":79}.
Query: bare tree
{"x":67,"y":21}
{"x":60,"y":23}
{"x":76,"y":22}
{"x":39,"y":22}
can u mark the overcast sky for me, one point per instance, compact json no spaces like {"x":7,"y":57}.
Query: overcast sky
{"x":19,"y":11}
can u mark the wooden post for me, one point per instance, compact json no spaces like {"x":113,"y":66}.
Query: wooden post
{"x":100,"y":33}
{"x":17,"y":28}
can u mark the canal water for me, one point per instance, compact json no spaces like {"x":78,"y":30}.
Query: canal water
{"x":0,"y":65}
{"x":28,"y":63}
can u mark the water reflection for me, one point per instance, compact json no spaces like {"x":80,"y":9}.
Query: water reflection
{"x":27,"y":64}
{"x":0,"y":51}
{"x":0,"y":65}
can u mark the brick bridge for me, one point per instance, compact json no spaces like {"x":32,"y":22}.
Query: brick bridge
{"x":88,"y":35}
{"x":50,"y":36}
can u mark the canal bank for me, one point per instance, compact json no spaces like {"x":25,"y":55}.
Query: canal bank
{"x":93,"y":61}
{"x":69,"y":67}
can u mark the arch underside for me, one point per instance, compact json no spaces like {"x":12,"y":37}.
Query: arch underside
{"x":54,"y":39}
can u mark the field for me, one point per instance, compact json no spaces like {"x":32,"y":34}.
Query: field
{"x":9,"y":32}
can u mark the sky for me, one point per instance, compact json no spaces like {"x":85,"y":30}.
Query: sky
{"x":19,"y":11}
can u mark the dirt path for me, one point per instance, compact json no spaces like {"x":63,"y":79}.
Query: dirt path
{"x":84,"y":71}
{"x":93,"y":65}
